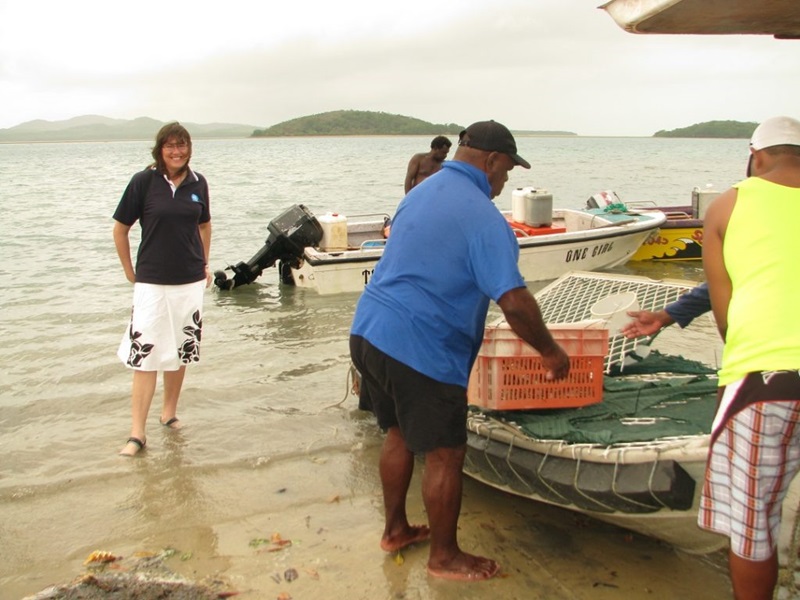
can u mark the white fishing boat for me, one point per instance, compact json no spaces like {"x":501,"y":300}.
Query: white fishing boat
{"x":334,"y":254}
{"x":636,"y":459}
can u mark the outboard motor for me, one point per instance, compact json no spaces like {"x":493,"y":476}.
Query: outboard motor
{"x":603,"y":200}
{"x":289,"y":234}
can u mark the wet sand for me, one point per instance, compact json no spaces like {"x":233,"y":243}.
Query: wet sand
{"x":218,"y":522}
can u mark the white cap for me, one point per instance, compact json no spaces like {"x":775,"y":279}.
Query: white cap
{"x":777,"y":131}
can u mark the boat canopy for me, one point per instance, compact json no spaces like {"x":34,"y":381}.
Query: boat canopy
{"x":779,"y":18}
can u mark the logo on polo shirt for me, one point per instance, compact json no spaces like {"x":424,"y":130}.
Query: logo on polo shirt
{"x":195,"y":198}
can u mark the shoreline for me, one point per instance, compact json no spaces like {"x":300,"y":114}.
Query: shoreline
{"x":327,"y":503}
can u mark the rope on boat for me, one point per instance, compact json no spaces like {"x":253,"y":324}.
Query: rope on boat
{"x":489,"y":461}
{"x":581,"y":492}
{"x":510,"y":465}
{"x":650,"y":485}
{"x":616,"y":493}
{"x":556,"y":495}
{"x":543,"y":481}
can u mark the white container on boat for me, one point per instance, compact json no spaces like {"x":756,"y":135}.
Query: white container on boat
{"x":701,"y":199}
{"x":334,"y":232}
{"x":518,"y":205}
{"x":532,"y":206}
{"x":613,"y":310}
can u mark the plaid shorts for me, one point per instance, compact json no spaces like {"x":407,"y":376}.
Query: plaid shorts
{"x":752,"y":461}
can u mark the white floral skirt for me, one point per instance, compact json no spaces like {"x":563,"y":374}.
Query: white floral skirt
{"x":165,"y":327}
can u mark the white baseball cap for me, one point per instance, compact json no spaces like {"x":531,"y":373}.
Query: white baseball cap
{"x":777,"y":131}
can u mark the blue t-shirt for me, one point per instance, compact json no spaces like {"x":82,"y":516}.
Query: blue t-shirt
{"x":690,"y":305}
{"x":449,"y":253}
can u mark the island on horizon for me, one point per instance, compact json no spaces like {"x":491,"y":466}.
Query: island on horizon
{"x":712,"y":129}
{"x":364,"y":122}
{"x":333,"y":123}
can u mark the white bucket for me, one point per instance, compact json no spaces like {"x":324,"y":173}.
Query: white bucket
{"x":334,"y":232}
{"x":613,"y":310}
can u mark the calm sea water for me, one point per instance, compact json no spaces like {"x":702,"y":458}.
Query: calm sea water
{"x":273,"y":358}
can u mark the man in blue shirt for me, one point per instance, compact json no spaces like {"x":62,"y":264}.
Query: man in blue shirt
{"x":418,"y":327}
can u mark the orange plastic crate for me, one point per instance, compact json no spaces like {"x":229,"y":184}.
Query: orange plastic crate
{"x":508,"y":373}
{"x":521,"y":229}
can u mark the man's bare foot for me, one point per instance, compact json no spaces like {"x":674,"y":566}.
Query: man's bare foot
{"x":466,"y":567}
{"x":172,"y":423}
{"x":132,"y":447}
{"x":414,"y":534}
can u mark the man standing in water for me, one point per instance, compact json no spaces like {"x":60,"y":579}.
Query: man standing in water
{"x":418,"y":327}
{"x":425,"y":164}
{"x":750,"y":251}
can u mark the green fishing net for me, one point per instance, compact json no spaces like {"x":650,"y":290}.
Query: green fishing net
{"x":661,"y":396}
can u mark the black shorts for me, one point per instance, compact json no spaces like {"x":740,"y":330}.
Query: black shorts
{"x":429,"y":413}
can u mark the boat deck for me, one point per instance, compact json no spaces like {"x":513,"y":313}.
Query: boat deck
{"x":569,"y":299}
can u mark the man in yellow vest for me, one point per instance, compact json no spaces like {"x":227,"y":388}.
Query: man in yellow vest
{"x":751,"y":248}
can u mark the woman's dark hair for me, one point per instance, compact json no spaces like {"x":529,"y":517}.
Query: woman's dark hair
{"x":174,"y":131}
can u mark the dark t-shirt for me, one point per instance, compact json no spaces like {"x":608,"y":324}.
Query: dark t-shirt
{"x":171,"y":251}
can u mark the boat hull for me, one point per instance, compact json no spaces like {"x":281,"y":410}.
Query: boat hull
{"x":592,"y":241}
{"x":674,"y":241}
{"x":651,"y":489}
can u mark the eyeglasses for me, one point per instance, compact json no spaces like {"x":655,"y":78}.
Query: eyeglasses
{"x":180,"y":146}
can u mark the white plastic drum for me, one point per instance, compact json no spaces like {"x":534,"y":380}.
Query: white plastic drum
{"x":334,"y":232}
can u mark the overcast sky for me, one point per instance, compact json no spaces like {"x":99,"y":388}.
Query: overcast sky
{"x":531,"y":64}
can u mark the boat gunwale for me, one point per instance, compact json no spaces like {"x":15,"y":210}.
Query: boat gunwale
{"x":683,"y":224}
{"x":317,"y":257}
{"x":680,"y":448}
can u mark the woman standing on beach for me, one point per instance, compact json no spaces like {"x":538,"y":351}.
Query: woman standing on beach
{"x":171,"y":203}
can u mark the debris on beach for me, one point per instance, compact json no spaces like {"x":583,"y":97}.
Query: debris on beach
{"x":289,"y":575}
{"x":137,"y":578}
{"x":274,"y":543}
{"x":100,"y":556}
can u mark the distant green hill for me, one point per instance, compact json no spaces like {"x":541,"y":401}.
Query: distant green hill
{"x":712,"y":129}
{"x":357,"y":122}
{"x":98,"y":128}
{"x":340,"y":122}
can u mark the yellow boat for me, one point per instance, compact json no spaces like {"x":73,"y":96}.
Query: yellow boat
{"x":680,"y":238}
